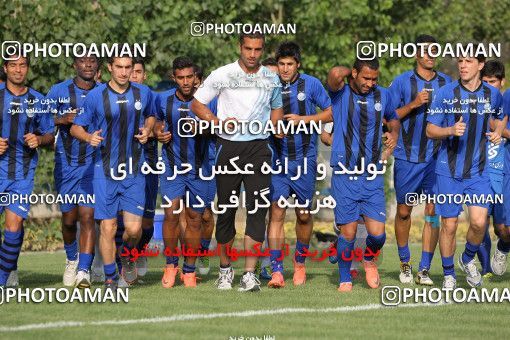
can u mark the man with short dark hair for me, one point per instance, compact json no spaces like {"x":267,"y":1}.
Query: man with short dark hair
{"x":24,"y":126}
{"x":459,"y":116}
{"x":271,"y":64}
{"x":74,"y":171}
{"x":121,"y":111}
{"x":359,"y":108}
{"x":260,"y":100}
{"x":415,"y":159}
{"x":301,"y":95}
{"x":181,"y":151}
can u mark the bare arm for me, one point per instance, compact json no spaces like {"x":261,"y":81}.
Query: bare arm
{"x":203,"y":112}
{"x":421,"y":99}
{"x":327,"y":138}
{"x":336,"y":77}
{"x":78,"y":132}
{"x":437,"y":132}
{"x":325,"y":116}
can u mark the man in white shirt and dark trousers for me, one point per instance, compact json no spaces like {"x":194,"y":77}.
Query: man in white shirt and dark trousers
{"x":246,"y":92}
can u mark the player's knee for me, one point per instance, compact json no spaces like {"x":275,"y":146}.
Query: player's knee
{"x":87,"y":219}
{"x":303,"y":219}
{"x":193,"y":218}
{"x":404,"y":212}
{"x":277,"y":215}
{"x":108,"y":231}
{"x":478,"y":224}
{"x":449,"y":227}
{"x":207,"y":217}
{"x":349,"y":235}
{"x":171,"y":217}
{"x":69,"y":227}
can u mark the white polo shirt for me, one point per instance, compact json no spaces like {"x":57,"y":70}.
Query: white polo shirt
{"x":243,"y":96}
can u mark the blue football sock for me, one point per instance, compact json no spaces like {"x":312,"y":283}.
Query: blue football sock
{"x":9,"y":253}
{"x":484,"y":253}
{"x":276,"y":264}
{"x":374,"y":243}
{"x":300,"y":249}
{"x":448,"y":268}
{"x":85,"y":261}
{"x":470,"y":252}
{"x":187,"y":268}
{"x":22,"y":237}
{"x":426,"y":260}
{"x":404,"y":254}
{"x":172,"y":260}
{"x":205,"y":243}
{"x":110,"y":272}
{"x":344,"y":250}
{"x":71,"y":250}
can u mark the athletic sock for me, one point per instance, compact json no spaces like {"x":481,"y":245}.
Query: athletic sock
{"x":344,"y":250}
{"x":276,"y":257}
{"x":426,"y":260}
{"x":448,"y":267}
{"x":188,"y":268}
{"x":404,"y":254}
{"x":85,"y":261}
{"x":300,"y":249}
{"x":71,"y":250}
{"x":470,"y":252}
{"x":374,"y":243}
{"x":204,"y":244}
{"x":484,"y":254}
{"x":9,"y":253}
{"x":110,"y":272}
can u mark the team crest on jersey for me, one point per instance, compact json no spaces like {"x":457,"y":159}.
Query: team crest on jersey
{"x":378,"y":106}
{"x":30,"y":112}
{"x":138,"y":105}
{"x":301,"y":96}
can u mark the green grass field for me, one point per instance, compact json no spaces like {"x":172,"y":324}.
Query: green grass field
{"x":204,"y":304}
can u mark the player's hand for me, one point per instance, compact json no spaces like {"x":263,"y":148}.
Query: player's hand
{"x":389,"y":141}
{"x":69,"y":117}
{"x":162,"y":136}
{"x":143,"y":136}
{"x":229,"y":124}
{"x":31,"y":140}
{"x":459,"y":128}
{"x":4,"y":145}
{"x":95,"y":138}
{"x":494,"y":137}
{"x":421,"y":98}
{"x":293,"y":118}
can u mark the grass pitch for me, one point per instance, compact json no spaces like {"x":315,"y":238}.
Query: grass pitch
{"x":288,"y":313}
